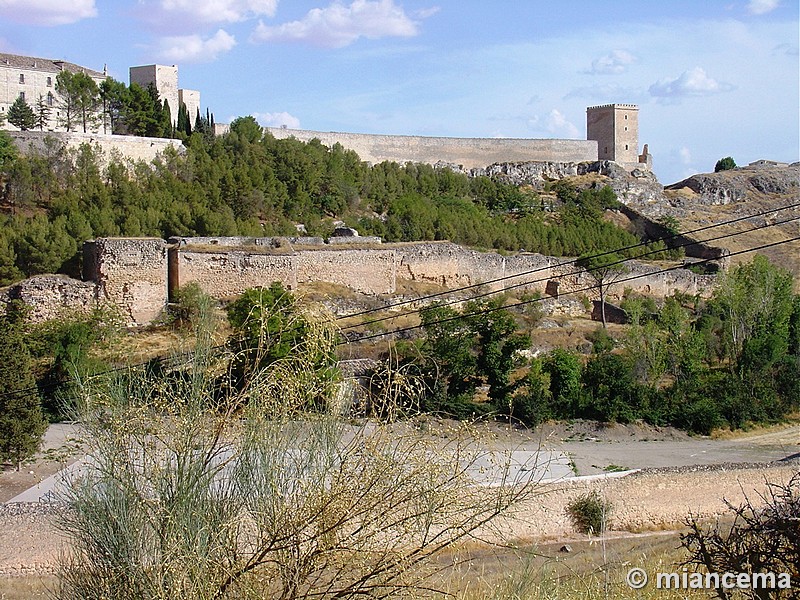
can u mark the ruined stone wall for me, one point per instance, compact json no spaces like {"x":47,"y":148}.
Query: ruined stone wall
{"x":51,"y":296}
{"x":129,"y":147}
{"x":227,"y":273}
{"x":369,"y":271}
{"x":448,"y":265}
{"x":467,"y":152}
{"x":639,"y":277}
{"x":131,"y":274}
{"x":137,"y":274}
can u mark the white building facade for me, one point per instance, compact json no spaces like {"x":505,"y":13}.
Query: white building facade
{"x":35,"y":80}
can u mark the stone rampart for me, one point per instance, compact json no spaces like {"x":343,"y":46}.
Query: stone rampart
{"x":128,"y":147}
{"x":137,"y":274}
{"x":469,"y":153}
{"x":131,"y":274}
{"x":226,"y":273}
{"x":365,"y":270}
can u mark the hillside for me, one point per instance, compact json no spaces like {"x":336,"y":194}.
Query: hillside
{"x":715,"y":197}
{"x":696,"y":202}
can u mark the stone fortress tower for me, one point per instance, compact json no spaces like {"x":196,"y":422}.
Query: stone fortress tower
{"x":615,"y":128}
{"x":165,"y":79}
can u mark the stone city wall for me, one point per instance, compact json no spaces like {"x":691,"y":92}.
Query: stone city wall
{"x":137,"y":274}
{"x":227,"y":273}
{"x":470,"y":153}
{"x":130,"y":273}
{"x":128,"y":147}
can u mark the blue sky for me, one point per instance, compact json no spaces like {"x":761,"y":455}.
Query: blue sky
{"x":712,"y":78}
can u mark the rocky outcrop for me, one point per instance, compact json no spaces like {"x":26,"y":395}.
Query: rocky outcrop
{"x":638,"y":186}
{"x":735,"y":185}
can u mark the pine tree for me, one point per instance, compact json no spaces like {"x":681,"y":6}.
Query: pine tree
{"x":21,"y":421}
{"x":43,"y":112}
{"x":21,"y":115}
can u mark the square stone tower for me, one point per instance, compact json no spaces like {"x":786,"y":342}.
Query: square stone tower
{"x":615,"y":127}
{"x":166,"y":81}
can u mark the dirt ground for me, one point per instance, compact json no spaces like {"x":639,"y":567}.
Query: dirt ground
{"x":680,"y":474}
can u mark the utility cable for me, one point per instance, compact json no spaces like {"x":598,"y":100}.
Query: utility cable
{"x":566,"y":263}
{"x":540,"y":280}
{"x":526,"y":302}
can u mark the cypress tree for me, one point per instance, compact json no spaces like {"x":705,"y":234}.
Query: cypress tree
{"x":21,"y":421}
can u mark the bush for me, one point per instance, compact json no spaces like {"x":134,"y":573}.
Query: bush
{"x":198,"y":495}
{"x":724,"y":164}
{"x":189,"y":306}
{"x":760,"y":540}
{"x":589,"y":513}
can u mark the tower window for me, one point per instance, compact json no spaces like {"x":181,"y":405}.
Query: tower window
{"x":22,"y":78}
{"x":626,"y":117}
{"x":49,"y":98}
{"x":22,"y":95}
{"x":626,"y":146}
{"x":49,"y":82}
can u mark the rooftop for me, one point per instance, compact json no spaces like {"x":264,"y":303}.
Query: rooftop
{"x":46,"y":65}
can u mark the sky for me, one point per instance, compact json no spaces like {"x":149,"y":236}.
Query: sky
{"x":712,"y":78}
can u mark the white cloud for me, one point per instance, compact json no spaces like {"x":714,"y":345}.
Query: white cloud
{"x":613,"y":63}
{"x":760,"y":7}
{"x":47,"y":12}
{"x":277,"y":119}
{"x":690,"y":83}
{"x":194,"y":49}
{"x":338,"y":25}
{"x":685,"y":155}
{"x":184,"y":15}
{"x":558,"y":124}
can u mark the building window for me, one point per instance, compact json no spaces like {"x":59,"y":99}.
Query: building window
{"x":49,"y":82}
{"x":22,"y":77}
{"x":49,"y":98}
{"x":626,"y":146}
{"x":22,"y":95}
{"x":626,"y":117}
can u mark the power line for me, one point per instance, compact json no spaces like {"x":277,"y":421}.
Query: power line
{"x":539,"y":280}
{"x":566,"y":263}
{"x":526,"y":302}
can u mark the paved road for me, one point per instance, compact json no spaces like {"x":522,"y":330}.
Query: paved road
{"x":556,"y":459}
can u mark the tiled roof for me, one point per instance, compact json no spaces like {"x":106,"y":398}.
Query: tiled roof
{"x":46,"y":65}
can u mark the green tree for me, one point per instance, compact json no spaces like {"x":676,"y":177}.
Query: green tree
{"x":269,"y":324}
{"x":114,"y":97}
{"x":566,"y":392}
{"x":80,"y":100}
{"x":8,"y":153}
{"x":42,"y":113}
{"x":21,"y":422}
{"x":21,"y":115}
{"x":247,"y":128}
{"x":605,"y":270}
{"x":724,"y":164}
